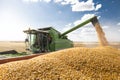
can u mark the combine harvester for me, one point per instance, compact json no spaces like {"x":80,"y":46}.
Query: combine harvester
{"x":48,"y":39}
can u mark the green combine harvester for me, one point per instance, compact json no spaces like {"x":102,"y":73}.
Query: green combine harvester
{"x":49,"y":39}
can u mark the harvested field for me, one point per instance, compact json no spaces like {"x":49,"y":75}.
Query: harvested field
{"x":20,"y":46}
{"x":100,"y":63}
{"x":12,"y":45}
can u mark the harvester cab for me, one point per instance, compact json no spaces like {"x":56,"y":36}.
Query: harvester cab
{"x":46,"y":40}
{"x":49,"y":39}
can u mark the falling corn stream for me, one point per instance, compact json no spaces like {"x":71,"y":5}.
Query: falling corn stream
{"x":101,"y":35}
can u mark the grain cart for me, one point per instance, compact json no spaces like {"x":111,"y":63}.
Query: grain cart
{"x":48,"y":39}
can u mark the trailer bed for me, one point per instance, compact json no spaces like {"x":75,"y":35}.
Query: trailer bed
{"x":5,"y":60}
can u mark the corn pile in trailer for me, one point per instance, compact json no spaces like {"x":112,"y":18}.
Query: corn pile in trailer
{"x":100,"y":63}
